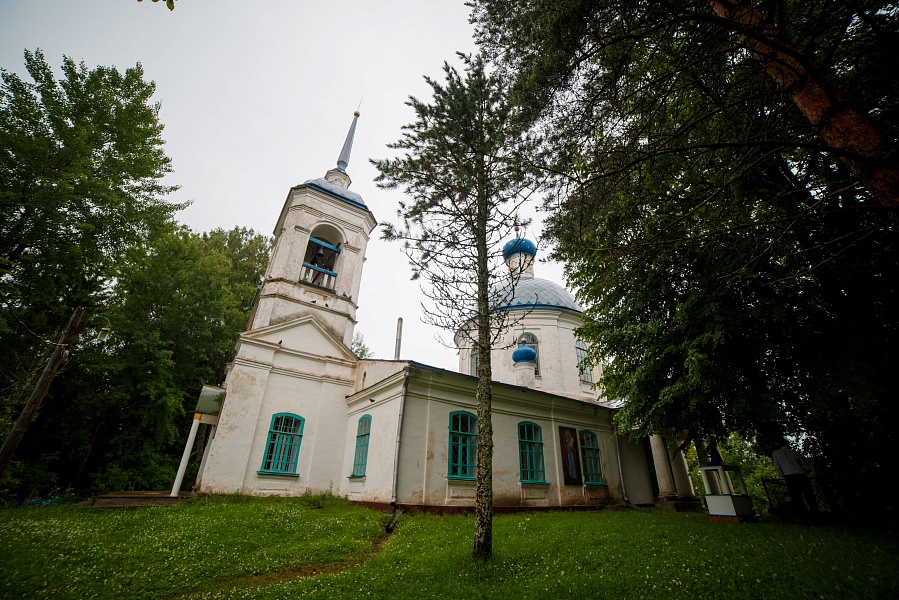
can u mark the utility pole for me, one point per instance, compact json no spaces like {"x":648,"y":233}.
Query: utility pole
{"x":37,"y":396}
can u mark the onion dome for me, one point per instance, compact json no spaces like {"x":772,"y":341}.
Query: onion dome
{"x":519,"y":246}
{"x":524,"y":353}
{"x":532,"y":293}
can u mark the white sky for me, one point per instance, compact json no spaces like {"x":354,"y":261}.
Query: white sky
{"x":257,"y":97}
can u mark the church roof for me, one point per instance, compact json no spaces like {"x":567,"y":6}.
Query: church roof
{"x":533,"y":292}
{"x":322,"y":185}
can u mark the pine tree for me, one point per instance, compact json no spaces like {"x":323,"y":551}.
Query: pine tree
{"x":464,"y":171}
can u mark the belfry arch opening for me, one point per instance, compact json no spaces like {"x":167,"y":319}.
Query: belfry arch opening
{"x":320,"y":261}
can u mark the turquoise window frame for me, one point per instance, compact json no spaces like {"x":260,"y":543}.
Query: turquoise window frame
{"x":360,"y":458}
{"x":530,"y":453}
{"x":282,"y":449}
{"x":591,"y":458}
{"x":462,"y":458}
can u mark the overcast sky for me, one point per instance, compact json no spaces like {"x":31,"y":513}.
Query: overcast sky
{"x":258,"y":96}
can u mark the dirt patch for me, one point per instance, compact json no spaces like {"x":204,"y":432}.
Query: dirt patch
{"x":293,"y":573}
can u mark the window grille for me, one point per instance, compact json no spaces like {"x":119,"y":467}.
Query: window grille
{"x":463,"y":442}
{"x":590,"y":457}
{"x":360,"y":459}
{"x":283,"y":446}
{"x":530,"y":453}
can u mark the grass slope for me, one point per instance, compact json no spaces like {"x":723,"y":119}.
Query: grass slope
{"x":277,"y":548}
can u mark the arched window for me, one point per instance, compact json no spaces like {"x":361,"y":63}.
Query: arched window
{"x":583,"y":365}
{"x":360,"y":459}
{"x":530,"y":453}
{"x":530,"y":340}
{"x":463,"y":445}
{"x":590,"y":457}
{"x":283,"y":446}
{"x":320,"y":259}
{"x":473,"y":362}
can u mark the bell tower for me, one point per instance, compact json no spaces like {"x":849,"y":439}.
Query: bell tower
{"x":316,"y":262}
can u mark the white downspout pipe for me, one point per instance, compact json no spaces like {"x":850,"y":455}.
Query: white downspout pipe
{"x":399,"y":431}
{"x":620,"y":470}
{"x":185,"y":458}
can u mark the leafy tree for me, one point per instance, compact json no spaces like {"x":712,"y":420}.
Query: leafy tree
{"x":84,"y":222}
{"x":464,"y":171}
{"x":629,"y":66}
{"x":169,"y":3}
{"x":81,"y":163}
{"x":116,"y":416}
{"x":360,"y":348}
{"x":737,"y":263}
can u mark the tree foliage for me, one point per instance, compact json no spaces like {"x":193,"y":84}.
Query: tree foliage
{"x":85,"y":222}
{"x":115,"y":418}
{"x":169,"y":3}
{"x":463,"y":168}
{"x":81,"y":163}
{"x":738,"y":265}
{"x":360,"y":348}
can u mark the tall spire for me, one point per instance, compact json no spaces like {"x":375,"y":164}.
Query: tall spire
{"x":344,"y":159}
{"x":339,"y":175}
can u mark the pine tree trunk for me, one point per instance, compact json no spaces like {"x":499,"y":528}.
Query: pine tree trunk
{"x":483,"y":523}
{"x":860,"y":143}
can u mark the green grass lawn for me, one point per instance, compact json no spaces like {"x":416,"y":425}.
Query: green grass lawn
{"x":282,"y":548}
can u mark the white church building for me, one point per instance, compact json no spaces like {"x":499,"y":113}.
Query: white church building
{"x":301,"y":413}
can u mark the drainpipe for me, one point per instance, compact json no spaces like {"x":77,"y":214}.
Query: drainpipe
{"x":399,"y":430}
{"x":620,"y":470}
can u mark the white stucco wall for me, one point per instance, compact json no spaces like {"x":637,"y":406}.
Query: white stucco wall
{"x":383,"y":402}
{"x":297,"y":368}
{"x":432,"y":396}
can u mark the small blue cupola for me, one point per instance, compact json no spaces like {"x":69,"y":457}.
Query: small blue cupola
{"x":519,"y":245}
{"x":524,"y":354}
{"x":519,"y":255}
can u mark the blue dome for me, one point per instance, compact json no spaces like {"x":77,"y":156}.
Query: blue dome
{"x":519,"y":245}
{"x":524,"y":354}
{"x":533,"y":292}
